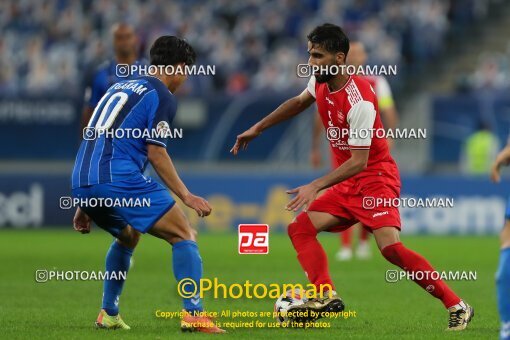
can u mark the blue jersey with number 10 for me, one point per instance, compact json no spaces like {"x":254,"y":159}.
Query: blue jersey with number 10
{"x":124,"y":121}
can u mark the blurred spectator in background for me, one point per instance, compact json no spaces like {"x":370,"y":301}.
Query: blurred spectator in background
{"x":125,"y":49}
{"x":490,"y":73}
{"x":480,"y":151}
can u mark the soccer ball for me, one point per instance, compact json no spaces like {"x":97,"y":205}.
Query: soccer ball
{"x":292,"y":297}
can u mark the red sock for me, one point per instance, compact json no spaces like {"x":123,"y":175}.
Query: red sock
{"x":363,"y":234}
{"x":346,"y":236}
{"x":310,"y":253}
{"x":413,"y":262}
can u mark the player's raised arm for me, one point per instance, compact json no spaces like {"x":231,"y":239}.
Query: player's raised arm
{"x":288,"y":109}
{"x":160,"y":160}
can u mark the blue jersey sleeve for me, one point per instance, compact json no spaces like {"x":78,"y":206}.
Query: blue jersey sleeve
{"x":165,"y":107}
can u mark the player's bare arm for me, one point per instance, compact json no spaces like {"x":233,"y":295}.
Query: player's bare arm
{"x":160,"y":160}
{"x":315,"y":152}
{"x":307,"y":193}
{"x":81,"y":222}
{"x":503,"y":158}
{"x":287,"y":110}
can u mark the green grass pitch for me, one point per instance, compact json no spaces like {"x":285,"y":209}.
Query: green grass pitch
{"x":67,"y":309}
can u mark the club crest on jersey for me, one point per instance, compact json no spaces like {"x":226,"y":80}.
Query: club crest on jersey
{"x":163,"y":129}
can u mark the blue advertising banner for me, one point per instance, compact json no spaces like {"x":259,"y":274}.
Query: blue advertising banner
{"x":470,"y":206}
{"x":52,"y":122}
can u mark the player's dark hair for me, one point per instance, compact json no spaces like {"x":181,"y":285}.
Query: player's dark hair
{"x":330,"y":37}
{"x":171,"y":50}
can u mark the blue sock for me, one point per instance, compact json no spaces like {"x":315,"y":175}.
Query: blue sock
{"x":117,"y":260}
{"x":503,"y":287}
{"x":187,"y":263}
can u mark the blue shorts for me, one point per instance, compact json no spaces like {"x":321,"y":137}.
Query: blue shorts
{"x":147,"y":201}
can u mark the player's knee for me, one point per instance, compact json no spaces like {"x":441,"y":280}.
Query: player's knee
{"x":189,"y":234}
{"x":292,"y":228}
{"x":185,"y":233}
{"x":301,"y":225}
{"x":391,"y":253}
{"x":129,"y":238}
{"x":130,"y":241}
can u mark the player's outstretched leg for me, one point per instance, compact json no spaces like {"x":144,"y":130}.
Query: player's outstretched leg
{"x":313,"y":260}
{"x":345,"y":252}
{"x":503,"y":283}
{"x":117,"y":265}
{"x":174,"y":228}
{"x":394,"y":251}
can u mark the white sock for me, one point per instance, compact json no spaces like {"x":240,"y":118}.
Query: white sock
{"x":460,"y":305}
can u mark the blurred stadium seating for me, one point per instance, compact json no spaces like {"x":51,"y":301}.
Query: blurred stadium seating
{"x":254,"y":43}
{"x":255,"y":46}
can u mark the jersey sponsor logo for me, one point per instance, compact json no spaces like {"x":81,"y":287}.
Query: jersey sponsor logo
{"x":380,"y":214}
{"x":253,"y":238}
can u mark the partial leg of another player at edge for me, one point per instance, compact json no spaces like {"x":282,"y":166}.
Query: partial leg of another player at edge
{"x":362,"y":252}
{"x":345,"y":251}
{"x":174,"y":228}
{"x":503,"y":282}
{"x":303,"y":234}
{"x":363,"y":248}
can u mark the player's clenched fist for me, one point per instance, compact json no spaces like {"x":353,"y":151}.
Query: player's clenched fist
{"x":199,"y":204}
{"x":81,"y":222}
{"x":244,"y":138}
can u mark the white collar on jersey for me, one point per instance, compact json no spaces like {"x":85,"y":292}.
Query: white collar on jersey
{"x":340,"y":89}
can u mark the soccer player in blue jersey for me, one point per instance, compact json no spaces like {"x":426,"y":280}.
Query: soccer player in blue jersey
{"x":113,"y":168}
{"x":125,"y":44}
{"x":503,"y":273}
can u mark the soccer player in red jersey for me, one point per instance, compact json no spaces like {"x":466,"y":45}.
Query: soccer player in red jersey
{"x":358,"y":58}
{"x":367,"y":172}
